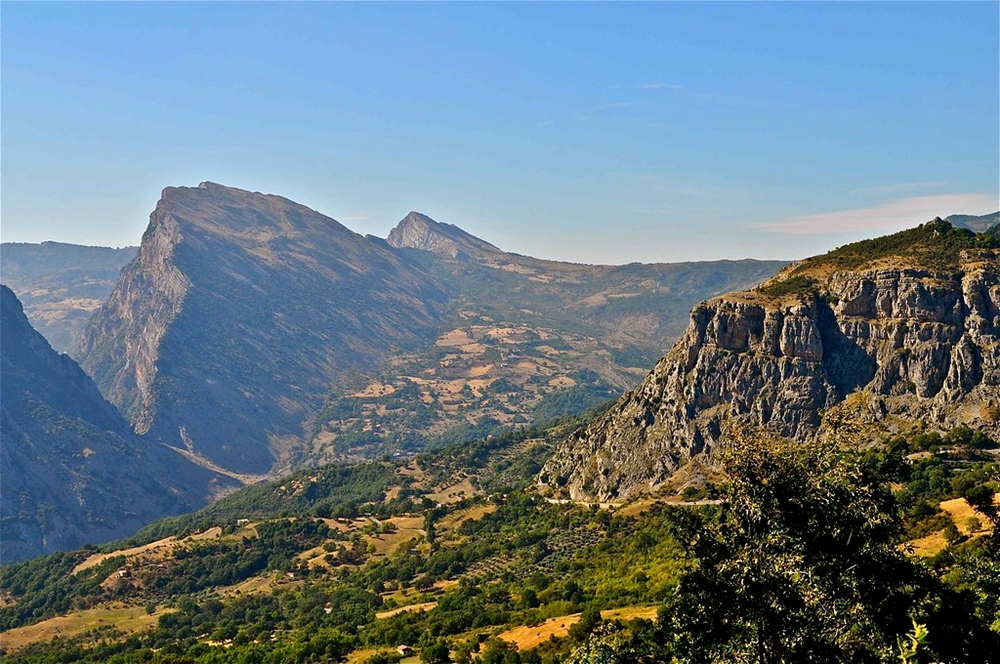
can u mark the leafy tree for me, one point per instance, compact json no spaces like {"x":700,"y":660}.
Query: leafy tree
{"x":802,"y":565}
{"x":435,"y":653}
{"x":588,"y":622}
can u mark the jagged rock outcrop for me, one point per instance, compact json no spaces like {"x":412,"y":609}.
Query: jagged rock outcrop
{"x":909,"y":325}
{"x":237,"y":317}
{"x":418,"y":231}
{"x":72,"y":470}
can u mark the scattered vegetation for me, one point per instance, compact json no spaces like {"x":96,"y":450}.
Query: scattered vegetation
{"x":935,"y":245}
{"x":802,"y":558}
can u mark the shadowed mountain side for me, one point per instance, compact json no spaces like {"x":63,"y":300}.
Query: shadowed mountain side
{"x":72,"y":470}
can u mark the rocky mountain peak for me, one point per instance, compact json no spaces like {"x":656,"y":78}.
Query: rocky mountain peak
{"x":901,"y":329}
{"x":418,"y":231}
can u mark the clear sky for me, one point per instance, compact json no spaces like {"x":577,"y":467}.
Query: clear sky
{"x":596,"y":132}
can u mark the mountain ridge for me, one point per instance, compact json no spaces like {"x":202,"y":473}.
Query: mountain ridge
{"x":215,"y":260}
{"x":244,"y":313}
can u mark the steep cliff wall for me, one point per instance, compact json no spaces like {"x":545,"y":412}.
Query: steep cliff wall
{"x":121,"y":343}
{"x":911,"y":322}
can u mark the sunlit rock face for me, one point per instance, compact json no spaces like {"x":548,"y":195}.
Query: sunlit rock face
{"x":912,"y":332}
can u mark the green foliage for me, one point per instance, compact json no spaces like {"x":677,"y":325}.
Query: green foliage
{"x":804,"y":566}
{"x":794,"y":285}
{"x":573,"y":401}
{"x":935,"y":245}
{"x":47,"y":586}
{"x":326,"y":491}
{"x":800,"y":562}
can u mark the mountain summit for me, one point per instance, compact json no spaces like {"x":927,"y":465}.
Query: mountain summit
{"x":418,"y":231}
{"x":238,"y":315}
{"x":903,"y":328}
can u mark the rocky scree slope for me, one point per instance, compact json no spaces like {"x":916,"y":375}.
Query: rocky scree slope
{"x":72,"y":470}
{"x":907,"y":327}
{"x":237,"y":315}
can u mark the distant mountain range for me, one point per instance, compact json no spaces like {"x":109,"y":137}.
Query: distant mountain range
{"x":61,"y":285}
{"x":981,"y":224}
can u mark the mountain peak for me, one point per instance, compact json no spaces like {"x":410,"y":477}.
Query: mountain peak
{"x":418,"y":231}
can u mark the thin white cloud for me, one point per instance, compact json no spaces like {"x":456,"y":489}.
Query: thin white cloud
{"x":617,"y":104}
{"x":889,"y":216}
{"x":901,"y":187}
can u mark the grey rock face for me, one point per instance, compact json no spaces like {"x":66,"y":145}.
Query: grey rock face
{"x":922,"y":344}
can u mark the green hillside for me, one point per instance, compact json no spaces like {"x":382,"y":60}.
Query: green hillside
{"x":456,"y":554}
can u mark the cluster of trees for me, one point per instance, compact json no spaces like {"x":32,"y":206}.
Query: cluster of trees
{"x":800,"y":561}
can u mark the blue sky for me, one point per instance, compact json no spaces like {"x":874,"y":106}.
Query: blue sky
{"x":597,"y":132}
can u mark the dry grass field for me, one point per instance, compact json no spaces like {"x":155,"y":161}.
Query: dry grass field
{"x":161,"y":548}
{"x":960,"y":512}
{"x":128,"y":619}
{"x":423,"y":606}
{"x":527,"y":637}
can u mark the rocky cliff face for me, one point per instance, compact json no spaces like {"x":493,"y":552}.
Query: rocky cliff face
{"x":237,"y":316}
{"x":908,"y":325}
{"x":73,"y":471}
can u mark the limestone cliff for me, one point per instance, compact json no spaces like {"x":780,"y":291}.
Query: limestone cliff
{"x":908,"y":323}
